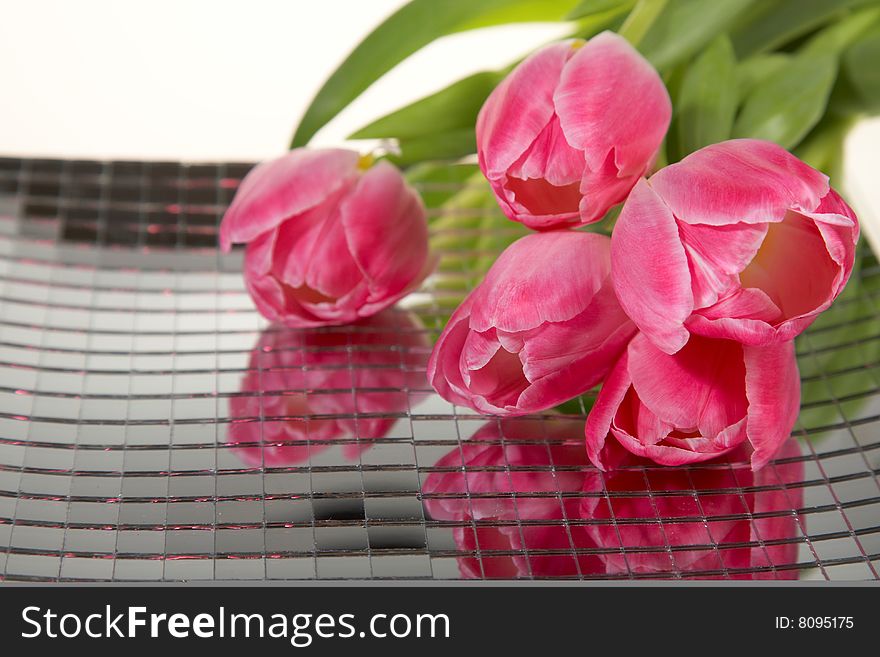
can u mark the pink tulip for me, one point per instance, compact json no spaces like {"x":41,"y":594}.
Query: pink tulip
{"x":740,"y":523}
{"x":329,"y":240}
{"x":502,"y":458}
{"x":305,"y":390}
{"x":702,"y":402}
{"x":569,"y":132}
{"x":739,"y":240}
{"x":542,"y":327}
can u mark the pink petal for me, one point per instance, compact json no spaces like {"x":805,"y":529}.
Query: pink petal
{"x":443,"y":371}
{"x":567,"y":359}
{"x":699,"y":388}
{"x":741,"y":180}
{"x":773,"y":388}
{"x":549,"y":158}
{"x":793,"y":267}
{"x":285,"y":187}
{"x":599,"y":334}
{"x":602,"y":414}
{"x":696,"y":451}
{"x":601,"y":189}
{"x":387,"y":232}
{"x":519,"y":109}
{"x":746,"y":316}
{"x":609,"y":96}
{"x":717,"y":254}
{"x":543,"y":277}
{"x":650,"y":269}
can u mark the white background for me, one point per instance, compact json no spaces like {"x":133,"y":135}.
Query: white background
{"x":209,"y":80}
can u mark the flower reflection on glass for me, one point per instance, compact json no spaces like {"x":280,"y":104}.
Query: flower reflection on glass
{"x":528,"y":504}
{"x":504,"y":458}
{"x":305,"y":390}
{"x":719,"y":516}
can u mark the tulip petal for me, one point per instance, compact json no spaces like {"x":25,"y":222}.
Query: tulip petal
{"x":283,"y":188}
{"x":443,"y":371}
{"x":717,"y":254}
{"x":567,"y":359}
{"x":386,"y":230}
{"x":739,"y":181}
{"x":699,"y":388}
{"x":609,"y":96}
{"x":602,"y":414}
{"x":550,"y":158}
{"x":519,"y":109}
{"x":601,"y":189}
{"x":773,"y":388}
{"x":672,"y":452}
{"x":793,"y":267}
{"x":746,"y":316}
{"x":543,"y":277}
{"x":650,"y":269}
{"x":600,"y":332}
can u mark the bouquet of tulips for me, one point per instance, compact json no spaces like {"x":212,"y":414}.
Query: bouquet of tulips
{"x":724,"y":245}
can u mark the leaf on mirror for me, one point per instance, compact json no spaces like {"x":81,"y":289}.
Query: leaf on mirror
{"x":785,"y":105}
{"x":707,"y":99}
{"x":409,"y":29}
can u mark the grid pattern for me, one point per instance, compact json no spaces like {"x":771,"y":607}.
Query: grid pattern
{"x":154,"y":427}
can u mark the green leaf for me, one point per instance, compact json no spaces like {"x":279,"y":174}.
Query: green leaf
{"x":452,"y":108}
{"x":836,"y":38}
{"x":437,"y":182}
{"x":823,"y":147}
{"x":590,"y":7}
{"x":777,"y":23}
{"x":685,"y":26}
{"x":758,"y":68}
{"x":707,"y":101}
{"x":640,"y":20}
{"x":449,"y":145}
{"x":788,"y":103}
{"x":412,"y":27}
{"x":860,"y":64}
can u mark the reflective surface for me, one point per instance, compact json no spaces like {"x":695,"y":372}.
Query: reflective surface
{"x":154,"y":427}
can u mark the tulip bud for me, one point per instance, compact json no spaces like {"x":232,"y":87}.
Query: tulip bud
{"x":569,"y":132}
{"x":740,"y":240}
{"x":544,"y":326}
{"x":330,"y":239}
{"x":700,"y":403}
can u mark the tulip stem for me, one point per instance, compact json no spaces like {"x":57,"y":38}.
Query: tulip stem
{"x":640,"y":19}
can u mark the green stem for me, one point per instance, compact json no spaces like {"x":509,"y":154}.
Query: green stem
{"x":640,"y":19}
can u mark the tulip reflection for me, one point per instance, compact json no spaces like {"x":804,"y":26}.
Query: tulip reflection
{"x":306,"y":389}
{"x":718,"y":521}
{"x":543,"y":464}
{"x":528,"y":504}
